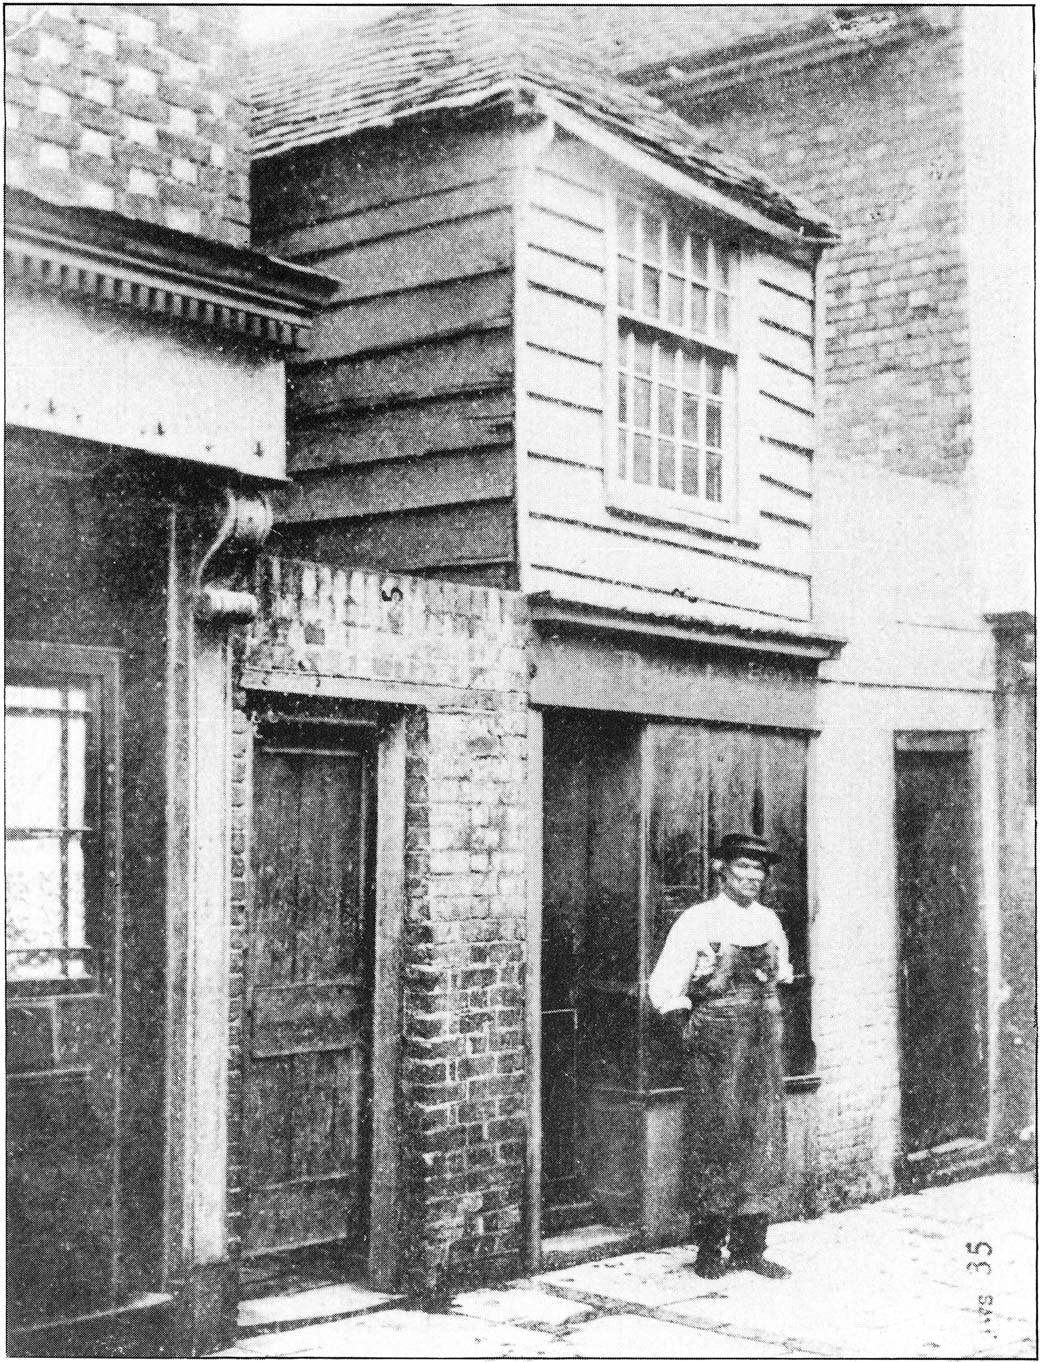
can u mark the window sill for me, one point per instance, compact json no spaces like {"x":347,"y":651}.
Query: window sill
{"x":649,"y":510}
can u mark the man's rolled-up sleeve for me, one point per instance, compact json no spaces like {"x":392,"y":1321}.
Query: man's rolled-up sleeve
{"x":667,"y":984}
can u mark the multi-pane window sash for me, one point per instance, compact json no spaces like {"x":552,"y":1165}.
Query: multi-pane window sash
{"x":52,"y":832}
{"x":675,"y":361}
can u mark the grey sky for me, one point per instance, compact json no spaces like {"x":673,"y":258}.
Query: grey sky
{"x":262,"y":23}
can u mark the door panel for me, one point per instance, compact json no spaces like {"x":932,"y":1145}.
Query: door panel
{"x":309,"y":998}
{"x":942,"y":1008}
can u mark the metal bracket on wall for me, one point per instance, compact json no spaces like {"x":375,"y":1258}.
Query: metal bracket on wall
{"x":247,"y":523}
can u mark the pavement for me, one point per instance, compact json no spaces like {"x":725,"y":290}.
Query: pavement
{"x":946,"y":1272}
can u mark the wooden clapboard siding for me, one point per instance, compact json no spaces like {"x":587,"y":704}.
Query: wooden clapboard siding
{"x":471,"y":363}
{"x":575,"y":585}
{"x":433,"y":426}
{"x":570,"y":490}
{"x":400,"y":484}
{"x":565,"y":326}
{"x":435,"y":254}
{"x":558,"y":274}
{"x":314,"y":242}
{"x":571,"y":536}
{"x":394,"y":319}
{"x":337,"y":180}
{"x":557,"y":430}
{"x":445,"y":537}
{"x":401,"y":418}
{"x":636,"y":556}
{"x":787,"y":464}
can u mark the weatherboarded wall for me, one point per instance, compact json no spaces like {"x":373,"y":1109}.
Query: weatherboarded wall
{"x":401,"y":419}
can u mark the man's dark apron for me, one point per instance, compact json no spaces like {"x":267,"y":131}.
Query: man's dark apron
{"x":735,"y":1142}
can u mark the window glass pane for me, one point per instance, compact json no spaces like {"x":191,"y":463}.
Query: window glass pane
{"x":722,"y":266}
{"x":651,"y":291}
{"x":641,"y":403}
{"x":713,"y":490}
{"x":666,"y":411}
{"x":32,"y":778}
{"x":33,"y":697}
{"x":721,"y":316}
{"x":641,"y":460}
{"x":651,"y":237}
{"x":666,"y":465}
{"x":698,"y":308}
{"x":626,"y":280}
{"x":699,"y":256}
{"x":676,"y":248}
{"x":77,"y":699}
{"x":689,"y":471}
{"x":713,"y":424}
{"x":33,"y":887}
{"x":713,"y":374}
{"x":676,"y":289}
{"x":644,"y":355}
{"x":78,"y":815}
{"x":622,"y":398}
{"x":690,"y":422}
{"x":626,"y":225}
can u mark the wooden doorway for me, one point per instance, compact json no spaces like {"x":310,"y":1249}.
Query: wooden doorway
{"x":307,"y":1043}
{"x":942,"y":959}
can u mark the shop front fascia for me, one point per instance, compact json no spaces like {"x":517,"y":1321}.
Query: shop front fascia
{"x":144,"y":423}
{"x":655,"y":737}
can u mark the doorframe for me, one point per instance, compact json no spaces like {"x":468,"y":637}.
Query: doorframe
{"x":384,"y":1258}
{"x":534,"y":813}
{"x":969,"y":742}
{"x":384,"y":1235}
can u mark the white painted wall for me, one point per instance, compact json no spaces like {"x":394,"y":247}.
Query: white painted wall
{"x":895,"y":573}
{"x":122,"y":380}
{"x":998,"y":120}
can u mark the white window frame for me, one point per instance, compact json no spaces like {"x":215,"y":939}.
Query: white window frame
{"x":736,"y":515}
{"x":37,"y":662}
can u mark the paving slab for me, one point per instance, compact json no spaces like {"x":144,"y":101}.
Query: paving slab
{"x":639,"y":1336}
{"x":403,"y":1333}
{"x":523,"y":1306}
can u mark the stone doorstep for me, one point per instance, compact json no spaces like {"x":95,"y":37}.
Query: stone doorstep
{"x":298,"y":1309}
{"x":588,"y":1244}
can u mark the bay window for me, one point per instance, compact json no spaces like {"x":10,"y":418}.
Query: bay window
{"x":676,"y":359}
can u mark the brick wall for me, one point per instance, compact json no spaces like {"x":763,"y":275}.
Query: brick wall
{"x":875,"y":140}
{"x":132,"y":108}
{"x":454,"y":656}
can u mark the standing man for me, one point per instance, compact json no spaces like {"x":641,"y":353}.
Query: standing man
{"x":718,"y":974}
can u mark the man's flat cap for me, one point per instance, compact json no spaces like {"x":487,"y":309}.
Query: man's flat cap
{"x":736,"y":844}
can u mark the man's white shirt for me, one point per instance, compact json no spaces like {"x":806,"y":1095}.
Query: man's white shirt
{"x":688,"y":952}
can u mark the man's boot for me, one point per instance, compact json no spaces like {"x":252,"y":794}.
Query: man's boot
{"x":747,"y":1248}
{"x":709,"y":1234}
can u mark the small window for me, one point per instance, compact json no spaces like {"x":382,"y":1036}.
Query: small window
{"x":676,"y":363}
{"x":58,"y":820}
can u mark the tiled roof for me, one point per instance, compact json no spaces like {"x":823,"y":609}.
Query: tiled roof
{"x":625,"y":37}
{"x":335,"y":82}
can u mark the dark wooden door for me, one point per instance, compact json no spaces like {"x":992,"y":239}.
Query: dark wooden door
{"x":309,"y":996}
{"x":942,"y":961}
{"x":590,"y":959}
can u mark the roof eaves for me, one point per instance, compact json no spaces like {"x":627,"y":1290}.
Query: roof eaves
{"x":788,"y":220}
{"x":501,"y":92}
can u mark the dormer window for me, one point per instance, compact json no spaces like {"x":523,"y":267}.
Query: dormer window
{"x":676,"y":314}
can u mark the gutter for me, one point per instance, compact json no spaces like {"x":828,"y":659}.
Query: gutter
{"x":868,"y":28}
